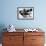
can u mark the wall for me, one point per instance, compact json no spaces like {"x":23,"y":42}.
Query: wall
{"x":8,"y":13}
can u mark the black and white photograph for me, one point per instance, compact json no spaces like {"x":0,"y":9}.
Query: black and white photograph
{"x":25,"y":13}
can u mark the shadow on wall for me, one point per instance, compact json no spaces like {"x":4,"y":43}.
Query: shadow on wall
{"x":2,"y":26}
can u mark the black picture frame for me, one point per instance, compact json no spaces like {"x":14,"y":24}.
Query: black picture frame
{"x":25,"y":13}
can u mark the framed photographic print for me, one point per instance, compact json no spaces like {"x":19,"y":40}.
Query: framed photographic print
{"x":25,"y":13}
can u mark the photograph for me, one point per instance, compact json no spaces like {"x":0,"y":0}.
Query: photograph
{"x":22,"y":22}
{"x":25,"y":13}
